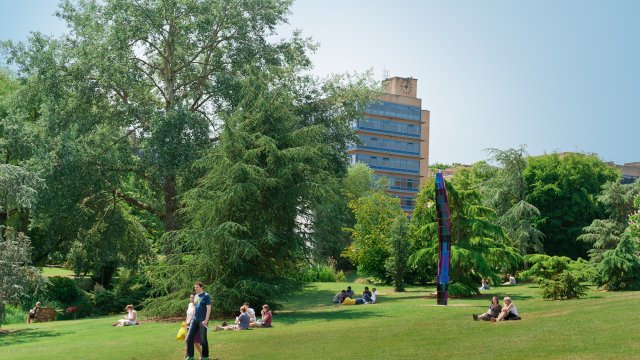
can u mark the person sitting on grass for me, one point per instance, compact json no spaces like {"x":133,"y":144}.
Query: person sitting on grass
{"x":349,"y":292}
{"x":511,"y":280}
{"x":339,"y":298}
{"x":251,"y":313}
{"x":374,"y":296}
{"x":492,"y":312}
{"x":129,"y":318}
{"x":266,"y":318}
{"x":485,"y":284}
{"x":242,"y":321}
{"x":508,"y":312}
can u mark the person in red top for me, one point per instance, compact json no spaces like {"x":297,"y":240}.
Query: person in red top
{"x":266,"y":318}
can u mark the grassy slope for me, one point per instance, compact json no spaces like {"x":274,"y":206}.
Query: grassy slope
{"x":403,"y":325}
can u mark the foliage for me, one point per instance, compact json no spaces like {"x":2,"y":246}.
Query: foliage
{"x":249,"y":216}
{"x":322,"y":273}
{"x":559,"y":277}
{"x":620,"y":267}
{"x":107,"y":302}
{"x":17,"y":276}
{"x":332,"y":216}
{"x":396,"y":265}
{"x":564,"y":286}
{"x":564,"y":189}
{"x":13,"y":315}
{"x":63,"y":292}
{"x":477,"y":241}
{"x":506,"y":192}
{"x":605,"y":234}
{"x":375,"y":213}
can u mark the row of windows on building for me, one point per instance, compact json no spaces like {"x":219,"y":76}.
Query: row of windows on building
{"x":388,"y":127}
{"x":401,"y":183}
{"x":388,"y":163}
{"x":407,"y":202}
{"x":383,"y":108}
{"x":384,"y":144}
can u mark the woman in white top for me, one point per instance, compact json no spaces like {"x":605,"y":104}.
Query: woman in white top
{"x":191,"y":311}
{"x":129,"y":319}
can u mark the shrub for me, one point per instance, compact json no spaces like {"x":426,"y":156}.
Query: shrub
{"x":107,"y":302}
{"x":62,"y":290}
{"x":63,"y":293}
{"x":558,"y":276}
{"x":563,"y":286}
{"x":319,"y":273}
{"x":13,"y":315}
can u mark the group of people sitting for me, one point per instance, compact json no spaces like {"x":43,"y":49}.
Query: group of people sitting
{"x":247,"y":319}
{"x":346,"y":297}
{"x":485,"y":283}
{"x":497,"y":312}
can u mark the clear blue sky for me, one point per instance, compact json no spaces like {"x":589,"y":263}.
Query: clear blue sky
{"x":554,"y":75}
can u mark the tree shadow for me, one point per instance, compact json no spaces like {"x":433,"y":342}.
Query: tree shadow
{"x":26,"y":336}
{"x":341,"y":312}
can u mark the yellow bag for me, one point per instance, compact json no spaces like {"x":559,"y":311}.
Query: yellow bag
{"x":182,"y":333}
{"x":349,"y":301}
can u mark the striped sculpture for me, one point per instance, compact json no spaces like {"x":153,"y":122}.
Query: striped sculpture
{"x":444,"y":240}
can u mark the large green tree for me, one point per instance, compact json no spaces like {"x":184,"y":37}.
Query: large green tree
{"x":506,"y":192}
{"x":478,"y":242}
{"x":248,"y":220}
{"x":565,"y":189}
{"x":377,"y":233}
{"x":332,"y":216}
{"x":158,"y":72}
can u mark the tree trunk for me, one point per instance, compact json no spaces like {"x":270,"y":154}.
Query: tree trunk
{"x":170,"y":203}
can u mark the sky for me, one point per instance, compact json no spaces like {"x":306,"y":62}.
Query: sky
{"x":551,"y":75}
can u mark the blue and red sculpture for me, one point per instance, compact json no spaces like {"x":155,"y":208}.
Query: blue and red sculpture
{"x":444,"y":240}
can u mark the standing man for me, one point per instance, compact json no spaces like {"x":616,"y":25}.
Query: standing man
{"x":199,"y":322}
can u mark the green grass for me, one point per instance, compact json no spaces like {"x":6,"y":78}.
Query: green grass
{"x":402,"y":326}
{"x":56,"y":271}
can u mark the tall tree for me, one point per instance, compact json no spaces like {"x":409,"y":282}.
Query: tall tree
{"x":564,"y":189}
{"x":478,"y":248}
{"x":507,"y":194}
{"x":16,"y":273}
{"x":376,"y":214}
{"x":332,"y":216}
{"x":163,"y":69}
{"x":249,"y":216}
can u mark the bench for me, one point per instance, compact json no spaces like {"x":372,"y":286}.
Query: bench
{"x":43,"y":315}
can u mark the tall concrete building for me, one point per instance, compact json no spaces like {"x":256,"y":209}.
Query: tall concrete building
{"x":394,"y":139}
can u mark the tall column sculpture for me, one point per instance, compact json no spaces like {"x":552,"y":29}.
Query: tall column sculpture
{"x":444,"y":240}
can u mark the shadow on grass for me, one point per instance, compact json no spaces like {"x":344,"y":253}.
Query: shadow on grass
{"x":26,"y":336}
{"x":339,"y":314}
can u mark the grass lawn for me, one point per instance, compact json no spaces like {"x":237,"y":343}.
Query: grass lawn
{"x":56,"y":271}
{"x":402,"y":326}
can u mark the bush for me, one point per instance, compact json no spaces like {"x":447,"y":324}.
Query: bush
{"x":322,"y":273}
{"x":62,"y":290}
{"x":107,"y":302}
{"x":63,"y":293}
{"x":13,"y":315}
{"x":563,"y":286}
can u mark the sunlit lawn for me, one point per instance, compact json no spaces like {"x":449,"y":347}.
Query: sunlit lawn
{"x":56,"y":271}
{"x":402,"y":326}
